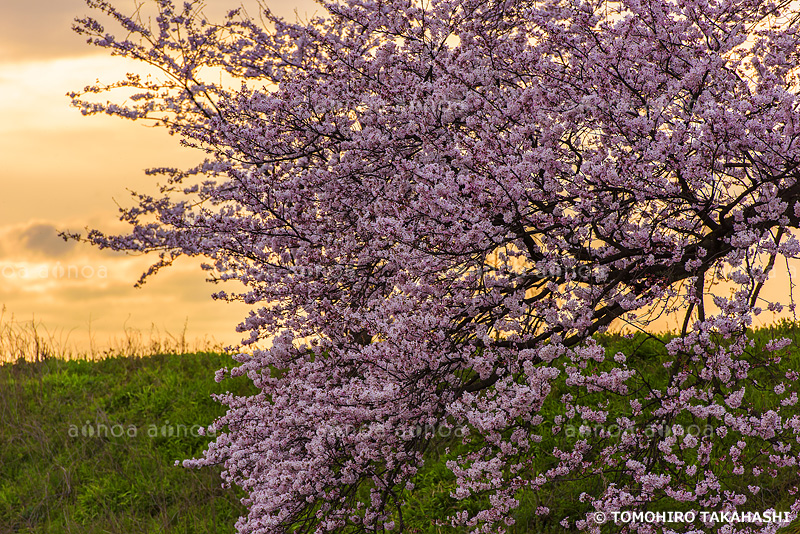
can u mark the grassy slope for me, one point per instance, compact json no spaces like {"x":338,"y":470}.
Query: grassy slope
{"x":431,"y":502}
{"x":57,"y":475}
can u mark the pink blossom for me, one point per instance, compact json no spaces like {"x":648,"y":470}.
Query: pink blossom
{"x":433,"y":207}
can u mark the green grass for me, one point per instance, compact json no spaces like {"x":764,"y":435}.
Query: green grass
{"x":85,"y":446}
{"x":431,"y":503}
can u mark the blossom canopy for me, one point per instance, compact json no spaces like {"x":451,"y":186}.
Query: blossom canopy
{"x":434,"y":206}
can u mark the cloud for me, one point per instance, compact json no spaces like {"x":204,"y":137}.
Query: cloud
{"x":37,"y":29}
{"x":42,"y":29}
{"x":67,"y":290}
{"x":32,"y":240}
{"x":33,"y":92}
{"x":43,"y":239}
{"x":37,"y":241}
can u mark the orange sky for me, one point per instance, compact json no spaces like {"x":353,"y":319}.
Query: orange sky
{"x":63,"y":171}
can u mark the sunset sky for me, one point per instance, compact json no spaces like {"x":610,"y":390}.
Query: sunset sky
{"x":63,"y":171}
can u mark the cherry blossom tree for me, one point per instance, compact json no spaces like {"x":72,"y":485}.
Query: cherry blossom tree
{"x":434,"y":206}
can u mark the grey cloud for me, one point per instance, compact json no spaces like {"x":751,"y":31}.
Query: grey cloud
{"x":43,"y":239}
{"x":39,"y":240}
